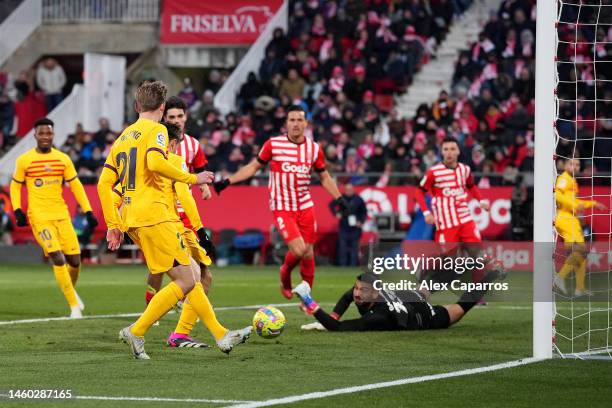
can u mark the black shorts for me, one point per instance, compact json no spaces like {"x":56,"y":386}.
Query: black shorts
{"x":441,"y":320}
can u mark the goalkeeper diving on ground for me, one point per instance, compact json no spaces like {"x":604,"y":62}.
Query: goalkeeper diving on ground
{"x":387,"y":310}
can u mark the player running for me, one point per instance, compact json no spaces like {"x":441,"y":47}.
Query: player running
{"x":44,"y":170}
{"x":390,"y":310}
{"x":138,"y":163}
{"x":569,"y":228}
{"x":190,"y":150}
{"x":449,"y":183}
{"x":292,"y":158}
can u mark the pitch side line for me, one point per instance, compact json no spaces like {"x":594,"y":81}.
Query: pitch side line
{"x":107,"y":316}
{"x":142,"y":399}
{"x":155,"y":399}
{"x":110,"y":316}
{"x":367,"y":387}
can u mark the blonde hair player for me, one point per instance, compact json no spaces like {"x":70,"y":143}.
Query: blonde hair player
{"x":138,"y":163}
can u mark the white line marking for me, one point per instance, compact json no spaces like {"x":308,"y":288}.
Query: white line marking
{"x":109,"y":316}
{"x":404,"y":381}
{"x":155,"y":399}
{"x":150,"y":399}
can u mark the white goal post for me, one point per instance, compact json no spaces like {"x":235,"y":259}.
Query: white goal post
{"x":544,"y":178}
{"x":585,"y":314}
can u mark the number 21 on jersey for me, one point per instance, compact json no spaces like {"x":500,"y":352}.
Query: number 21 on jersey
{"x":127,"y":166}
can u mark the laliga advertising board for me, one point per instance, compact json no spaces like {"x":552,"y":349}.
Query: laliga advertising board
{"x":228,"y":22}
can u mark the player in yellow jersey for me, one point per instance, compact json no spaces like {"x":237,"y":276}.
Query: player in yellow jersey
{"x":44,"y":170}
{"x":199,"y":246}
{"x":569,"y":228}
{"x":137,"y":164}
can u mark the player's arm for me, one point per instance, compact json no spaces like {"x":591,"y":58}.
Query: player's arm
{"x":183,"y":193}
{"x":367,"y":322}
{"x":199,"y":165}
{"x":475,"y":192}
{"x":109,"y":195}
{"x":590,"y":204}
{"x":157,"y":161}
{"x":244,"y":173}
{"x":248,"y":171}
{"x":564,"y":195}
{"x":71,"y":177}
{"x":343,"y":303}
{"x":424,"y":187}
{"x":329,"y":184}
{"x":15,"y":192}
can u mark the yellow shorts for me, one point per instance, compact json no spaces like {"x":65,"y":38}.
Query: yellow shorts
{"x":569,"y":229}
{"x":195,"y":250}
{"x":162,"y":246}
{"x":56,"y":235}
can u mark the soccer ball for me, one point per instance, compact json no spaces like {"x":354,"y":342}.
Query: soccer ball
{"x":269,"y":322}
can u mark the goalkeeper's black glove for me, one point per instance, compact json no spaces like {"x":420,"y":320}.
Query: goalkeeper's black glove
{"x":20,"y":218}
{"x":207,"y":244}
{"x":343,"y":206}
{"x":219,"y":186}
{"x":91,"y":219}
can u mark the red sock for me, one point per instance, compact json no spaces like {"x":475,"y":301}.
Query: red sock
{"x":285,"y":271}
{"x":149,"y":294}
{"x":307,"y":270}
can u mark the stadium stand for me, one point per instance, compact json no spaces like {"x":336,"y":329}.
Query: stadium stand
{"x":343,"y":64}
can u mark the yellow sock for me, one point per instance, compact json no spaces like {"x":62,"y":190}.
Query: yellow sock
{"x":572,"y":262}
{"x":63,"y":279}
{"x":74,"y":272}
{"x":581,"y":274}
{"x":161,"y":303}
{"x":200,"y":303}
{"x":187,"y":320}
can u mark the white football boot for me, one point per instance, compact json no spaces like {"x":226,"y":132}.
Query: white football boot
{"x":136,"y":343}
{"x":233,"y":338}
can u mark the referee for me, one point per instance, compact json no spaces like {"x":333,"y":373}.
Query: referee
{"x":385,"y":310}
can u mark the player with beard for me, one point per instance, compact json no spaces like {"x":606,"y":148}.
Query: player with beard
{"x":386,"y":310}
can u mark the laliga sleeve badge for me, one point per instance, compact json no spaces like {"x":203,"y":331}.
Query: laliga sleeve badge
{"x":161,"y":140}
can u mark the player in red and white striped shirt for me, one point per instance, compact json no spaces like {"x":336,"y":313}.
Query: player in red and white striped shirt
{"x":449,"y":183}
{"x":175,"y":112}
{"x":292,"y":158}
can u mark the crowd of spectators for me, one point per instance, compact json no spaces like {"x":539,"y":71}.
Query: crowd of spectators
{"x":28,"y":97}
{"x":342,"y":61}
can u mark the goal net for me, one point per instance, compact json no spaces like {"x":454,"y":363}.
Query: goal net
{"x":582,"y":251}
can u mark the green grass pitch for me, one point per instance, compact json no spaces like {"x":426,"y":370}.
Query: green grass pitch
{"x":86,"y":357}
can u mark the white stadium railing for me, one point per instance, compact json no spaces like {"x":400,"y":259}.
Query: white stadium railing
{"x":18,"y":26}
{"x":100,"y":11}
{"x":66,"y":116}
{"x":225,"y":99}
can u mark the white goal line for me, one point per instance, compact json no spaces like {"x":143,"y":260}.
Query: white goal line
{"x":386,"y":384}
